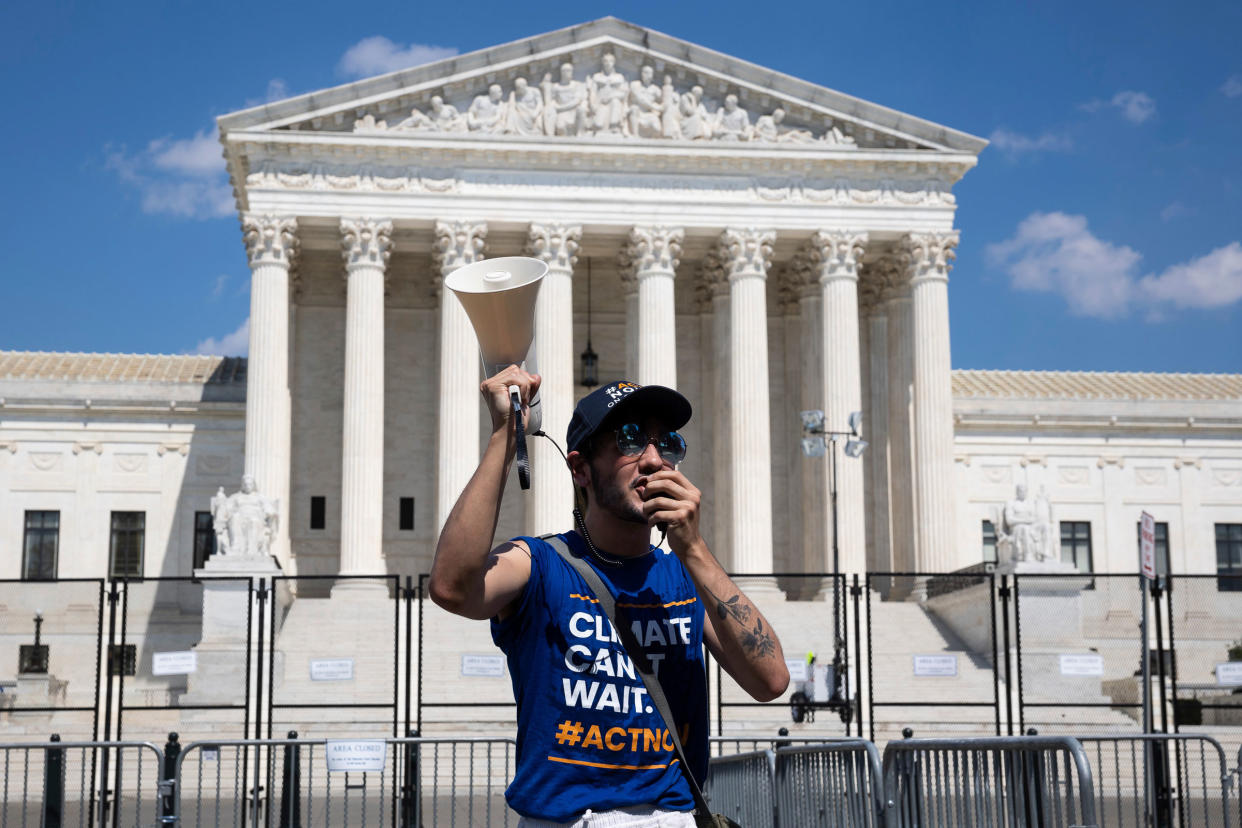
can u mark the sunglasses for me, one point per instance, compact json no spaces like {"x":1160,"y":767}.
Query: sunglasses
{"x":632,"y":440}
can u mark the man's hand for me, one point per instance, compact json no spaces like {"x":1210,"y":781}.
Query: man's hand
{"x":495,"y":391}
{"x":671,"y":499}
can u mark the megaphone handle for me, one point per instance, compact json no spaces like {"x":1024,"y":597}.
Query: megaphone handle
{"x":523,"y":464}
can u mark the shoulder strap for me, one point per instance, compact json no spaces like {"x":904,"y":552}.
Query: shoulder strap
{"x":639,"y":657}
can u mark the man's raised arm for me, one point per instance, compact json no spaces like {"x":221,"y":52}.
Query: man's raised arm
{"x":468,"y":577}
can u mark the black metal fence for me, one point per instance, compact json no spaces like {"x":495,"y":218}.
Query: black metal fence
{"x":961,"y":654}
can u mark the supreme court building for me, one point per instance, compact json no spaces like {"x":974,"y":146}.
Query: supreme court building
{"x":761,"y":243}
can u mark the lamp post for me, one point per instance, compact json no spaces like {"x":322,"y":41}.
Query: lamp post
{"x":815,"y":445}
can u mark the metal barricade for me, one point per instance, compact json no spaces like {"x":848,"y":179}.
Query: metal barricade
{"x":1161,"y":779}
{"x":286,"y":782}
{"x":1018,"y":781}
{"x":838,"y":783}
{"x":741,"y":788}
{"x":59,"y":784}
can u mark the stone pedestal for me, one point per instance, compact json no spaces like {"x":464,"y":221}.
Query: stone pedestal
{"x":221,"y":674}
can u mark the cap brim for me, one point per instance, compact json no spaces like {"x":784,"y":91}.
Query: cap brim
{"x":660,"y":400}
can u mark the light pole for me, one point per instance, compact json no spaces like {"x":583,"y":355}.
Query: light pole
{"x":814,"y":445}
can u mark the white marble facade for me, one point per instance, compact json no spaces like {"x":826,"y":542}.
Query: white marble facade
{"x":764,"y":244}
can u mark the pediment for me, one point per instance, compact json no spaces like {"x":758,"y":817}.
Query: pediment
{"x":625,"y":84}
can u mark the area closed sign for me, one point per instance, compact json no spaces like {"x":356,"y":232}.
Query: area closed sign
{"x":1147,"y":545}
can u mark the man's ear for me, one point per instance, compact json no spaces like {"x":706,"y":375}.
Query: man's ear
{"x":578,"y":469}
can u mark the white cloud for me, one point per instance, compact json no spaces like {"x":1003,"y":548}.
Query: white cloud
{"x":236,"y":343}
{"x":217,"y":288}
{"x":1058,"y":253}
{"x":1014,"y":143}
{"x":181,"y":177}
{"x":1232,"y":88}
{"x":378,"y":55}
{"x":1210,"y":281}
{"x":1135,"y":107}
{"x":276,"y":90}
{"x":1174,"y":210}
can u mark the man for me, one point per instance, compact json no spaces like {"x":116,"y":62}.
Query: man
{"x":591,"y":745}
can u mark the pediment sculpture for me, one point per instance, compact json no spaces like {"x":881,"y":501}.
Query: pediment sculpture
{"x":606,"y":104}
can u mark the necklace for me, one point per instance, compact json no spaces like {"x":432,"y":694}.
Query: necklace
{"x":586,"y":536}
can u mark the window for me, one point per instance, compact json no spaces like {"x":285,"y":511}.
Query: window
{"x":318,"y":506}
{"x":204,"y":538}
{"x":1229,"y":557}
{"x":989,"y":542}
{"x":125,"y":555}
{"x":41,"y":544}
{"x":406,"y":515}
{"x":1076,"y":544}
{"x":1162,"y":546}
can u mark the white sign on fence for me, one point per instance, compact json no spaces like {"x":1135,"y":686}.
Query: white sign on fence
{"x":332,"y":669}
{"x":473,"y":664}
{"x":174,"y":664}
{"x":355,"y":755}
{"x":1147,"y":545}
{"x":1082,"y":665}
{"x":797,"y":669}
{"x":1229,"y":673}
{"x":935,"y":665}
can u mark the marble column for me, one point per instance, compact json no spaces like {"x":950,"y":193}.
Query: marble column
{"x":271,"y":247}
{"x":746,"y":254}
{"x":629,"y":292}
{"x":811,"y":395}
{"x":836,"y":255}
{"x":713,"y":288}
{"x":927,"y":257}
{"x":458,"y":243}
{"x":365,"y":245}
{"x":875,"y":418}
{"x":650,"y":257}
{"x":550,"y":501}
{"x":900,"y":369}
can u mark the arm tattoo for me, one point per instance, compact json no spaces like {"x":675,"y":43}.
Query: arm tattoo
{"x":757,"y":641}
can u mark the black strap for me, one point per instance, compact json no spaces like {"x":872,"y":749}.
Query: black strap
{"x":523,"y":464}
{"x":639,"y":657}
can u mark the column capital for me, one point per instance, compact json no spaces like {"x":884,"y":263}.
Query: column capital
{"x":713,"y":279}
{"x":803,"y":274}
{"x":746,"y":252}
{"x":791,"y":285}
{"x":458,"y":243}
{"x":880,"y":282}
{"x":928,"y":256}
{"x":653,"y":250}
{"x":366,"y":242}
{"x":555,"y":244}
{"x":270,"y":239}
{"x":836,"y":254}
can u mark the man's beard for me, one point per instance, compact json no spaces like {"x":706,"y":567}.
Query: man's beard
{"x":612,"y":499}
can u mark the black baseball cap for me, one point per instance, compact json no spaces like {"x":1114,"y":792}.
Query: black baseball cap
{"x":622,"y":395}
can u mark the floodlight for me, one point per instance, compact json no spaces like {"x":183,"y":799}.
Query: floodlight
{"x":855,"y":448}
{"x":855,"y":423}
{"x":813,"y":446}
{"x":812,"y":420}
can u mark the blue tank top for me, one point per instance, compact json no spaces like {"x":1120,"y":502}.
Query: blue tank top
{"x":588,"y":735}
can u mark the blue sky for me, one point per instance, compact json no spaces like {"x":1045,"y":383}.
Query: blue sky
{"x":1102,"y":229}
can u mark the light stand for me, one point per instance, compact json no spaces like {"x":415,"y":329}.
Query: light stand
{"x":814,"y":445}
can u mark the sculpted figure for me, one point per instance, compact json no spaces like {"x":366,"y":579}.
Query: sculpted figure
{"x":768,"y":128}
{"x":646,"y":106}
{"x":487,"y":112}
{"x":608,"y":94}
{"x":247,"y":518}
{"x":565,"y":111}
{"x":670,"y":121}
{"x":696,"y":124}
{"x":445,"y":117}
{"x":732,"y":122}
{"x":417,"y":122}
{"x":525,"y":109}
{"x":1023,"y":528}
{"x":836,"y":136}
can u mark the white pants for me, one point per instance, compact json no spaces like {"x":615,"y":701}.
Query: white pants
{"x":635,"y":816}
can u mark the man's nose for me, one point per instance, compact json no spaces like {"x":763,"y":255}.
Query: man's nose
{"x":650,"y":459}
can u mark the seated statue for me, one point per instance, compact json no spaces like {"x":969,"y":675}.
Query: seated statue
{"x":646,"y":106}
{"x":1024,"y":529}
{"x":445,"y":117}
{"x":525,"y":109}
{"x":768,"y":128}
{"x":245,"y":522}
{"x":732,"y":122}
{"x":565,"y":104}
{"x":695,"y":124}
{"x":487,"y":112}
{"x":608,"y":98}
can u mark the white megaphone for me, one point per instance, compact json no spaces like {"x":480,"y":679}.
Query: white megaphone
{"x":499,"y":297}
